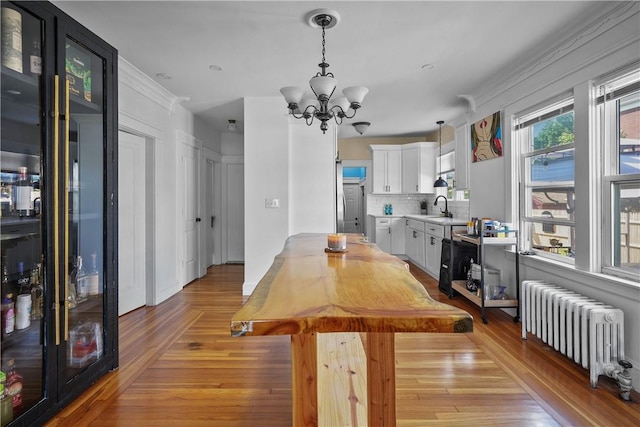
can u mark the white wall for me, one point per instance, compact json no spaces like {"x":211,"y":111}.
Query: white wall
{"x":266,"y":148}
{"x":312,"y":178}
{"x":603,"y":46}
{"x":289,"y":162}
{"x":148,"y":110}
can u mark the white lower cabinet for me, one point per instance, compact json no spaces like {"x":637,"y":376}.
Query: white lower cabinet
{"x":383,"y":234}
{"x":390,"y":235}
{"x":397,"y":236}
{"x":434,"y":235}
{"x":415,"y":242}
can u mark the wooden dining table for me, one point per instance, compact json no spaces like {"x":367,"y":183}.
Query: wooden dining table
{"x":310,"y":291}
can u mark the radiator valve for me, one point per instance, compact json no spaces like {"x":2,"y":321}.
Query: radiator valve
{"x":622,"y":376}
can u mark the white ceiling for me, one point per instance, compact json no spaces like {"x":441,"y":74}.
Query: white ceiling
{"x":265,"y":45}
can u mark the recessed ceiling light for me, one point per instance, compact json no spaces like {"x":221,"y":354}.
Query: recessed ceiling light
{"x":164,"y":76}
{"x":427,"y":67}
{"x":214,"y":67}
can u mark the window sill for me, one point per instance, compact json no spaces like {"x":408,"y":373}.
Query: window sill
{"x":616,"y":285}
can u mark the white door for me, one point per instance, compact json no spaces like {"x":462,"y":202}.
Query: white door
{"x":209,"y":219}
{"x":131,"y":222}
{"x":189,"y":208}
{"x":352,"y":219}
{"x":235,"y":213}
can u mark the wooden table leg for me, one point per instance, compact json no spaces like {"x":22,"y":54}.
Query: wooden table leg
{"x":381,"y":379}
{"x":304,"y":380}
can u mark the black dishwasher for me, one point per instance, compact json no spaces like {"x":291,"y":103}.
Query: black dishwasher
{"x":458,"y":267}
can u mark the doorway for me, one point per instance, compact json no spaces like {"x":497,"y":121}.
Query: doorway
{"x":132,"y":213}
{"x":354,"y":208}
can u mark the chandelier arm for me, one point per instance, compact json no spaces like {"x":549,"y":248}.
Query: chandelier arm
{"x":338,"y":111}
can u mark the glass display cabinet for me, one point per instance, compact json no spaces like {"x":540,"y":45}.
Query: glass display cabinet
{"x":58,"y":166}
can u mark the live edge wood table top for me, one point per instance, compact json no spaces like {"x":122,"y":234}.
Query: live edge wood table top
{"x":309,"y":291}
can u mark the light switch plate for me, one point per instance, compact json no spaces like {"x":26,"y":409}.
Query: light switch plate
{"x":271,"y":203}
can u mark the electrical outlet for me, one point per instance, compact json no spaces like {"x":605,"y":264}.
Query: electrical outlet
{"x":271,"y":203}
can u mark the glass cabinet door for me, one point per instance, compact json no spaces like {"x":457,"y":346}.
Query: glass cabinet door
{"x":84,"y":201}
{"x":22,"y":215}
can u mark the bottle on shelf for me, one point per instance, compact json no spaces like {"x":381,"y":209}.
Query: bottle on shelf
{"x":8,"y":315}
{"x":93,"y":278}
{"x":22,"y":192}
{"x":5,"y":275}
{"x":82,"y":291}
{"x":24,"y":282}
{"x":72,"y":297}
{"x":37,"y":292}
{"x":6,"y":402}
{"x":11,"y":39}
{"x":35,"y":60}
{"x":13,"y":384}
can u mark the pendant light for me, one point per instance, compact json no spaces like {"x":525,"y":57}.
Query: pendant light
{"x":440,"y":183}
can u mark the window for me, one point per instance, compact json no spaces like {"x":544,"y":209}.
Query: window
{"x":545,"y":138}
{"x":448,"y":173}
{"x":618,"y":103}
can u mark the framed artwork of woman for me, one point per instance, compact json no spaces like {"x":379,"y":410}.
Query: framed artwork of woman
{"x":486,"y":138}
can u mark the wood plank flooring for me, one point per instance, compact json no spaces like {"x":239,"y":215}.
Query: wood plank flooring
{"x":179,"y":365}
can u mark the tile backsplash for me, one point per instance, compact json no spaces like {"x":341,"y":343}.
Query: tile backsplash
{"x":409,"y":204}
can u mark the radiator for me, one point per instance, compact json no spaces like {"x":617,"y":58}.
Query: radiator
{"x":585,"y":330}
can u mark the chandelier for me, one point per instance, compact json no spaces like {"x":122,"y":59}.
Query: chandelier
{"x":323,"y":85}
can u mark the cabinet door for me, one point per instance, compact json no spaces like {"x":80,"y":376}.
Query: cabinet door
{"x":394,"y":171}
{"x":87,"y":175}
{"x":410,"y":165}
{"x":433,"y":252}
{"x":379,"y":172}
{"x":421,"y":249}
{"x":463,"y":156}
{"x":426,"y":174}
{"x":397,"y":236}
{"x":26,"y":202}
{"x":383,"y":238}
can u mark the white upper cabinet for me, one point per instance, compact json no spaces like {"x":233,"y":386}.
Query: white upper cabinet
{"x":418,"y":167}
{"x":463,"y":156}
{"x":387,"y":169}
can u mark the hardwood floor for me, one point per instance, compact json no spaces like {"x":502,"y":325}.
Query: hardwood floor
{"x":179,"y":365}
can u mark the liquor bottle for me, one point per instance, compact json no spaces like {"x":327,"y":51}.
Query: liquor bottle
{"x":35,"y":60}
{"x":8,"y":315}
{"x":24,"y":282}
{"x":72,"y":297}
{"x":6,"y":402}
{"x":13,"y":383}
{"x":82,"y":291}
{"x":23,"y":189}
{"x":93,"y":278}
{"x":11,"y":39}
{"x":37,"y":292}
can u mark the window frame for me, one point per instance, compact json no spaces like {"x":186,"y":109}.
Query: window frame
{"x":523,"y":138}
{"x":608,"y":132}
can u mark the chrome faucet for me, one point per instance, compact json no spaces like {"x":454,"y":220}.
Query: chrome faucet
{"x":446,"y":206}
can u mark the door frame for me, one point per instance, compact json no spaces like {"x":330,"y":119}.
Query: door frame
{"x":150,"y":136}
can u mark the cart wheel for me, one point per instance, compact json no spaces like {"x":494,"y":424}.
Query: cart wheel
{"x":516,"y":319}
{"x":485,"y":320}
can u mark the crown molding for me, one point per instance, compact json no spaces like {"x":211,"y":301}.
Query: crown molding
{"x":611,"y":16}
{"x":131,"y":76}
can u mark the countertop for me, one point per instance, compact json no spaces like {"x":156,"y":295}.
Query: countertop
{"x":362,"y":290}
{"x":433,"y":219}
